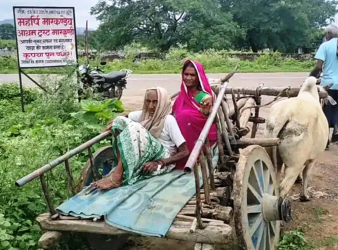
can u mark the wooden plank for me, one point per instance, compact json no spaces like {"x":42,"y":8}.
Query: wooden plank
{"x":263,"y":142}
{"x":219,"y":213}
{"x":213,"y":233}
{"x":271,"y":91}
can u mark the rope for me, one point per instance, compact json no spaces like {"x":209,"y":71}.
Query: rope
{"x":286,"y":91}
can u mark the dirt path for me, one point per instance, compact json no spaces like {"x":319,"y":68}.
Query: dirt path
{"x":318,"y":218}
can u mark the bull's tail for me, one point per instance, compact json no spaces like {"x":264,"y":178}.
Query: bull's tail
{"x":277,"y":120}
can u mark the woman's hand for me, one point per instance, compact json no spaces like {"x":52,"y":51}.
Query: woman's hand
{"x":207,"y":102}
{"x":206,"y":106}
{"x":150,"y":166}
{"x":110,"y":124}
{"x":108,"y":128}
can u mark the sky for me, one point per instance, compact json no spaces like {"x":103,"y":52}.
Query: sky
{"x":82,"y":9}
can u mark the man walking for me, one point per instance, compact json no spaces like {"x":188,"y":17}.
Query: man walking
{"x":327,"y":62}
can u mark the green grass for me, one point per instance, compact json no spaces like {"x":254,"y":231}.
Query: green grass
{"x":213,"y":61}
{"x":330,"y":241}
{"x":298,"y":239}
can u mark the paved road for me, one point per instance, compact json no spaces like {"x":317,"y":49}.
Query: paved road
{"x":137,"y":84}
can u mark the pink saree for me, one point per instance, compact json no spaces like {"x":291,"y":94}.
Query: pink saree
{"x":188,"y":116}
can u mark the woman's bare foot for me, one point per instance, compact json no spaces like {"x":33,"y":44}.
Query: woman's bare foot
{"x":113,"y":180}
{"x":110,"y":182}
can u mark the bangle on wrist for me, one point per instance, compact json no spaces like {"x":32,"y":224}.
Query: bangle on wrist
{"x":159,"y":167}
{"x":161,"y":162}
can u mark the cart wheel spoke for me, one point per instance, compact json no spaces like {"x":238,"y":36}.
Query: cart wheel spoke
{"x":271,"y":190}
{"x":257,"y":179}
{"x":268,"y":238}
{"x":262,"y":245}
{"x":258,"y":235}
{"x":256,"y":221}
{"x":255,"y":183}
{"x":254,"y":209}
{"x":254,"y":194}
{"x":268,"y":185}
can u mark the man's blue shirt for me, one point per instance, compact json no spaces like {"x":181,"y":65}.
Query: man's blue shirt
{"x":327,"y":53}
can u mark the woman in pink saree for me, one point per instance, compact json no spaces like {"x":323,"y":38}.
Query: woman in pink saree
{"x":193,"y":105}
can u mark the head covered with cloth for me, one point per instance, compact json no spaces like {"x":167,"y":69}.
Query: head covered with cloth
{"x":195,"y":91}
{"x":145,"y":143}
{"x":156,"y":107}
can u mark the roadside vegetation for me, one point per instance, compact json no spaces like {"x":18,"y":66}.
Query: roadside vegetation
{"x":213,"y":61}
{"x":51,"y":125}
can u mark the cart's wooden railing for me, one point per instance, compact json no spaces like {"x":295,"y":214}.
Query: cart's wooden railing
{"x":40,"y":173}
{"x":201,"y":139}
{"x":198,"y":154}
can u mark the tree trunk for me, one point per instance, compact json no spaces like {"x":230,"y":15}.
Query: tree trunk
{"x":254,"y":46}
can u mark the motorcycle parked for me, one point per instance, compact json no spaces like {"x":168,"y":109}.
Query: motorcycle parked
{"x":109,"y":85}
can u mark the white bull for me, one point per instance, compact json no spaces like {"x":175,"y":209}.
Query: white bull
{"x":303,"y":129}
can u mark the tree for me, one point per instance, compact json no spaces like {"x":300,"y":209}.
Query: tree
{"x":80,"y":41}
{"x":283,"y":25}
{"x":207,"y":27}
{"x":7,"y":31}
{"x":150,"y":22}
{"x":162,"y":24}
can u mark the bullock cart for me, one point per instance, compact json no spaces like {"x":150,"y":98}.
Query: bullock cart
{"x":235,"y":202}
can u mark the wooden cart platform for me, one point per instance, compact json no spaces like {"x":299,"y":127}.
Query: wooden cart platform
{"x":214,"y":233}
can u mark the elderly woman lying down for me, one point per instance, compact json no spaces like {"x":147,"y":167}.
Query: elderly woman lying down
{"x":145,"y":143}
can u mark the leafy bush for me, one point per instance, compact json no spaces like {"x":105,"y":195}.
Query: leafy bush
{"x":8,"y":64}
{"x":96,"y":114}
{"x":293,"y":240}
{"x":51,"y":125}
{"x":9,"y":44}
{"x":11,"y":91}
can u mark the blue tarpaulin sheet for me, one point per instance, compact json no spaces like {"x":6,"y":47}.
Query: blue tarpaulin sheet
{"x":148,"y":207}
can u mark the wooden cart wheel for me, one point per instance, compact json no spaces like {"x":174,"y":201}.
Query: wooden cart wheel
{"x":102,"y":161}
{"x":256,"y":195}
